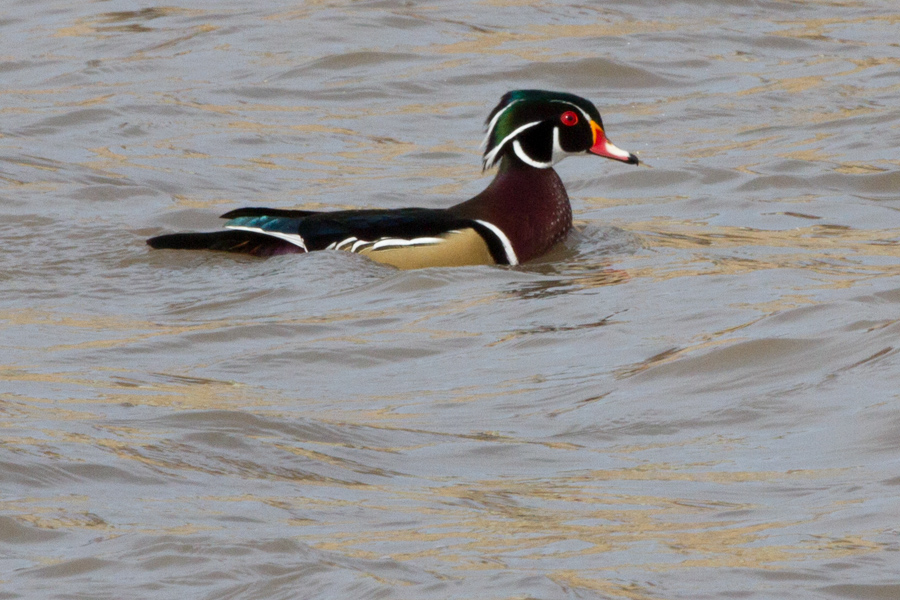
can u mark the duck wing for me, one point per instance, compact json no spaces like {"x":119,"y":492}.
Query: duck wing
{"x":405,"y":238}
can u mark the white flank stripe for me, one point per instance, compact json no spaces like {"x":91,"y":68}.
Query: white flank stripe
{"x":358,"y":244}
{"x":491,"y":156}
{"x":293,"y":238}
{"x":520,"y":152}
{"x":398,"y":242}
{"x":511,"y":257}
{"x":340,"y":245}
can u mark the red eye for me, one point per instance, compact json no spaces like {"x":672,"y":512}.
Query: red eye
{"x":569,"y":118}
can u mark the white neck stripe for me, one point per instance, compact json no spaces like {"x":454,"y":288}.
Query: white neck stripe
{"x":520,"y":152}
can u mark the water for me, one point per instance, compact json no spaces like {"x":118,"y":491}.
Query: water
{"x":694,"y":398}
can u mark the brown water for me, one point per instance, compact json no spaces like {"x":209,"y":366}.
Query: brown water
{"x":695,"y":398}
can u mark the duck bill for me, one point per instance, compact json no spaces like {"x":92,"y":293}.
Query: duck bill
{"x":603,"y":147}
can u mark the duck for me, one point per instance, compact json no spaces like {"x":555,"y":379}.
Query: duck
{"x":519,"y":216}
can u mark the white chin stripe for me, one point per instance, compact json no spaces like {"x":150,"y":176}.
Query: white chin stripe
{"x":558,"y":152}
{"x":520,"y":152}
{"x":511,"y":257}
{"x":292,"y":238}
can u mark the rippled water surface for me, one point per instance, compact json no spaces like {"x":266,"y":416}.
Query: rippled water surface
{"x":695,"y":397}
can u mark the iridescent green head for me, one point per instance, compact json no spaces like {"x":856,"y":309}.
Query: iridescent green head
{"x":540,"y":128}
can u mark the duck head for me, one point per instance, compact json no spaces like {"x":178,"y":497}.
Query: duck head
{"x":540,"y":128}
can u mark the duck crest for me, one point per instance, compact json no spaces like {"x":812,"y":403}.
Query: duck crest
{"x":523,"y":122}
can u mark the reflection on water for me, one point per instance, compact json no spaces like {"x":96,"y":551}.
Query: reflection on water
{"x":693,"y":397}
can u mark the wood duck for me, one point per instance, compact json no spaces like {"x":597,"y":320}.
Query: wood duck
{"x":519,"y":216}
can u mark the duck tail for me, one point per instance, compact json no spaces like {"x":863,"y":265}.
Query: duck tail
{"x":244,"y":242}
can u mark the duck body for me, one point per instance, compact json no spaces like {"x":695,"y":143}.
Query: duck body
{"x":529,"y":205}
{"x":519,"y":216}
